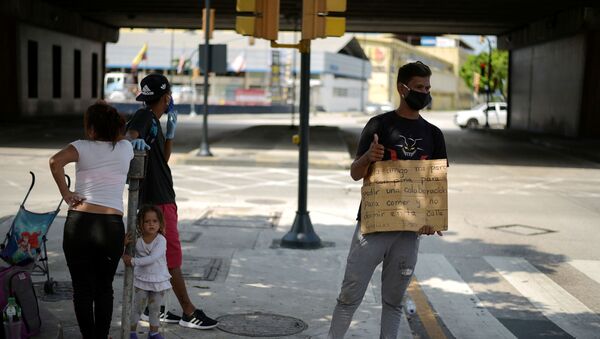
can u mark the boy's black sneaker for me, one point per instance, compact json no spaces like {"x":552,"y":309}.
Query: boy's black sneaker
{"x":198,"y":320}
{"x":167,"y":317}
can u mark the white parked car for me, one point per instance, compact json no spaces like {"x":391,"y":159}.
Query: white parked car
{"x":476,"y":117}
{"x":373,"y":108}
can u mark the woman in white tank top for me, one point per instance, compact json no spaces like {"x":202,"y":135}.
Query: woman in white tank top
{"x":94,"y":230}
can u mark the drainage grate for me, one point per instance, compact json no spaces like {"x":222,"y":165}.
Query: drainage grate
{"x":201,"y":268}
{"x":238,"y":219}
{"x":198,"y":268}
{"x":522,"y":229}
{"x":63,"y":290}
{"x":189,"y":237}
{"x":265,"y":201}
{"x":261,"y":325}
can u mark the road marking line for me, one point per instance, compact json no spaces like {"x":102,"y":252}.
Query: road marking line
{"x":548,"y":297}
{"x":455,"y":302}
{"x":426,"y":314}
{"x":591,"y":268}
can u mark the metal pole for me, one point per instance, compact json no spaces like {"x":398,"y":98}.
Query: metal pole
{"x":294,"y":76}
{"x":193,"y":98}
{"x":363,"y":80}
{"x":171,"y":59}
{"x":489,"y":87}
{"x":135,"y":175}
{"x":204,"y":149}
{"x":302,"y":235}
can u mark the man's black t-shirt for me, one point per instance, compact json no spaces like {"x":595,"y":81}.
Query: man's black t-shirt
{"x":403,"y":139}
{"x":157,"y":186}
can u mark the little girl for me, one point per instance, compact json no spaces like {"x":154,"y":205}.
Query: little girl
{"x":151,"y":276}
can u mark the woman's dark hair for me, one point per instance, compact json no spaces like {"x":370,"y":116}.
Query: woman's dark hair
{"x":413,"y":69}
{"x":142,"y":213}
{"x":105,"y":121}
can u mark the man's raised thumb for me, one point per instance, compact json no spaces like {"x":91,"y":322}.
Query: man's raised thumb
{"x":375,"y":138}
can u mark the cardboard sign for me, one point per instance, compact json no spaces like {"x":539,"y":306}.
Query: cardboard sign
{"x":405,"y":195}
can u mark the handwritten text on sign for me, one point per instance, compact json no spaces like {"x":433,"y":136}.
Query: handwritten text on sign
{"x":405,"y":195}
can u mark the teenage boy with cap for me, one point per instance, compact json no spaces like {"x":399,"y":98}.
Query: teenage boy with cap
{"x":145,"y":133}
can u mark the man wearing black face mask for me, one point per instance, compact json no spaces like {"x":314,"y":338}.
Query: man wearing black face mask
{"x":401,"y":134}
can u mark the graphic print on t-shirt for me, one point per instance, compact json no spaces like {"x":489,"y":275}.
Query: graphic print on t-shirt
{"x":153,"y":133}
{"x":409,"y":146}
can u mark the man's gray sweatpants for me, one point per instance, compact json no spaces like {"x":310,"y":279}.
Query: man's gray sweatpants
{"x":398,"y":251}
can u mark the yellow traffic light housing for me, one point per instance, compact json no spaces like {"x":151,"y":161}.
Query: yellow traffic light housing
{"x":316,"y":22}
{"x":262,"y":21}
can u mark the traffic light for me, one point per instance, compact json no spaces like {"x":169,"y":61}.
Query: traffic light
{"x":482,"y":68}
{"x":261,"y":19}
{"x":316,"y":22}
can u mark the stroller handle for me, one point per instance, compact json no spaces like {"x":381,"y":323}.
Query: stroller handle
{"x":33,"y":183}
{"x":30,"y":188}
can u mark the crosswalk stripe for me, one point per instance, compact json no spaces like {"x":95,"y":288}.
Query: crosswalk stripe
{"x":548,"y":297}
{"x":591,"y":268}
{"x":458,"y":307}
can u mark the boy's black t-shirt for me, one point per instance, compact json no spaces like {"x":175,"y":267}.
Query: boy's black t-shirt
{"x":157,"y":186}
{"x":403,"y":139}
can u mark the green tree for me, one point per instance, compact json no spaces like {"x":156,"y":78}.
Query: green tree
{"x":499,"y":77}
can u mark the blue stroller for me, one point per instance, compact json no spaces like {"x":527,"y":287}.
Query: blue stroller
{"x":25,"y":242}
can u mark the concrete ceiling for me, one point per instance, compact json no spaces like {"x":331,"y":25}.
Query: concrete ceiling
{"x":391,"y":16}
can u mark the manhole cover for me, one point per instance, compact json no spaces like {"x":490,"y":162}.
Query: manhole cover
{"x":522,"y":229}
{"x":63,"y":290}
{"x":265,"y":201}
{"x":261,"y":325}
{"x":218,"y":218}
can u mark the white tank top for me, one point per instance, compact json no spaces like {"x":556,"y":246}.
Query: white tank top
{"x":101,"y":171}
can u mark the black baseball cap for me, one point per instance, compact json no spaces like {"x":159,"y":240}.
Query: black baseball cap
{"x":153,"y":87}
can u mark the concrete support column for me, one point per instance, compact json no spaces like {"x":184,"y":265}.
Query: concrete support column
{"x":590,"y":109}
{"x":9,"y":88}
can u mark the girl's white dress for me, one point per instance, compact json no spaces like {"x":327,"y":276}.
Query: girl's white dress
{"x":150,"y":265}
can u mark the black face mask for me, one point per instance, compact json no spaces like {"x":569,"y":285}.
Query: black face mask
{"x":417,"y":100}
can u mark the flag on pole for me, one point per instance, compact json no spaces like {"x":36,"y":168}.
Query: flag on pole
{"x":181,"y":64}
{"x":139,"y":57}
{"x":239,"y":63}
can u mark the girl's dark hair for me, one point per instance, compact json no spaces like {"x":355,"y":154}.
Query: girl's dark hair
{"x":413,"y":69}
{"x":105,"y":121}
{"x":150,"y":208}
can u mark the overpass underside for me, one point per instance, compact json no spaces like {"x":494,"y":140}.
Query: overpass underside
{"x":554,"y":48}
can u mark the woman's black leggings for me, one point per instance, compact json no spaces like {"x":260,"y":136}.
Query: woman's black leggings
{"x":93,"y":245}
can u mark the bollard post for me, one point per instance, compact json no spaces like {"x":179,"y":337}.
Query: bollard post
{"x":135,"y":175}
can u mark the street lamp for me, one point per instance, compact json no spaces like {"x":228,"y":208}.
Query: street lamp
{"x":489,"y":79}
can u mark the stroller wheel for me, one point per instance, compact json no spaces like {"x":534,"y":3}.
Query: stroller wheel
{"x":49,"y":286}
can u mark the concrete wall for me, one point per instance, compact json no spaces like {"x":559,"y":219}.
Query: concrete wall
{"x":45,"y":103}
{"x":546,"y":86}
{"x":339,"y":94}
